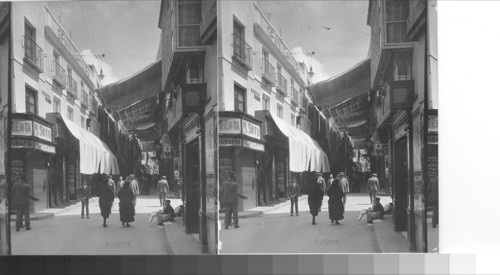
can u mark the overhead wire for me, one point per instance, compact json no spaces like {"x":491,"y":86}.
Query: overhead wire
{"x":133,"y":45}
{"x":128,"y":36}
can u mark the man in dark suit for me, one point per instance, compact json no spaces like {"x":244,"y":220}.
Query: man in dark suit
{"x":21,"y":201}
{"x":229,"y":197}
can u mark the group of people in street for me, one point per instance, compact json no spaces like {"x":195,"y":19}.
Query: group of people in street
{"x":127,"y":194}
{"x":336,"y":189}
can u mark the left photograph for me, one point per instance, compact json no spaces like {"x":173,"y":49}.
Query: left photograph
{"x":108,"y":119}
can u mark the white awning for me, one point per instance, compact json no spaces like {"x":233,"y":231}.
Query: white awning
{"x":95,"y":155}
{"x":305,"y":154}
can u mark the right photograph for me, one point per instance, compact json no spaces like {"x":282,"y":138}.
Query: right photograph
{"x":327,"y":126}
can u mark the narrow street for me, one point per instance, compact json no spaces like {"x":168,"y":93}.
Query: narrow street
{"x":277,"y":232}
{"x":67,"y":234}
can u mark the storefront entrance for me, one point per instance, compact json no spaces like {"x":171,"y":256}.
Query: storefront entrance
{"x":192,"y":185}
{"x":400,"y":185}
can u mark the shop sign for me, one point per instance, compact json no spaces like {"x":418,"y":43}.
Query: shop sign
{"x":253,"y":145}
{"x":42,"y":132}
{"x":45,"y":147}
{"x":250,"y":129}
{"x":193,"y":97}
{"x":230,"y":142}
{"x":16,"y":143}
{"x":433,"y":123}
{"x":432,"y":139}
{"x":22,"y":127}
{"x":230,"y":125}
{"x":48,"y":99}
{"x":256,"y":95}
{"x":401,"y":94}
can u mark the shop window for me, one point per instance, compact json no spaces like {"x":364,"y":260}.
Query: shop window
{"x":266,"y":103}
{"x":31,"y":101}
{"x":70,"y":113}
{"x":56,"y":105}
{"x":279,"y":110}
{"x":189,"y":23}
{"x":239,"y":98}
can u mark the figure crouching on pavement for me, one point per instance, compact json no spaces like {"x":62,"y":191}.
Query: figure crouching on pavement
{"x":372,"y":213}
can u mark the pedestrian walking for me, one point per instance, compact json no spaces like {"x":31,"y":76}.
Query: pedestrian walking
{"x":229,"y":197}
{"x":335,"y":203}
{"x":372,"y":186}
{"x":85,"y":195}
{"x":119,"y":184}
{"x":294,"y":198}
{"x":344,"y":185}
{"x":106,"y":198}
{"x":134,"y":186}
{"x":433,"y":189}
{"x":111,"y":184}
{"x":21,"y":196}
{"x":315,"y":196}
{"x":322,"y":184}
{"x":162,"y":188}
{"x":329,"y":182}
{"x":372,"y":213}
{"x":126,"y":205}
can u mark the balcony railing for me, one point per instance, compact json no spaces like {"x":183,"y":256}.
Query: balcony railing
{"x":59,"y":74}
{"x":295,"y":97}
{"x":33,"y":53}
{"x":268,"y":72}
{"x":72,"y":87}
{"x":85,"y":99}
{"x":242,"y":52}
{"x":282,"y":85}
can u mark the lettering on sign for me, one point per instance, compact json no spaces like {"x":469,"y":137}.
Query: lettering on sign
{"x":230,"y":125}
{"x":433,"y":123}
{"x":253,"y":145}
{"x":230,"y":142}
{"x":250,"y":129}
{"x":16,"y":143}
{"x":42,"y":131}
{"x":22,"y":127}
{"x":45,"y":147}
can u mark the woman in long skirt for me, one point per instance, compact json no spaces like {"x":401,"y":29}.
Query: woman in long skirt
{"x":335,"y":204}
{"x":126,"y":204}
{"x":315,"y":197}
{"x":106,"y":198}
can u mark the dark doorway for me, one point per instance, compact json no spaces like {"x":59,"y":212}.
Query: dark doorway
{"x":192,"y":176}
{"x":401,"y":185}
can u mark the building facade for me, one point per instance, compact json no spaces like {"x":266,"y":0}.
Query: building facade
{"x":263,"y":105}
{"x":54,"y":111}
{"x":404,"y":108}
{"x":189,"y":82}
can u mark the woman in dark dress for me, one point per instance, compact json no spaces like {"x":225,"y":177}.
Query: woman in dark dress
{"x":315,"y":197}
{"x":106,"y":198}
{"x":335,"y":204}
{"x":126,"y":204}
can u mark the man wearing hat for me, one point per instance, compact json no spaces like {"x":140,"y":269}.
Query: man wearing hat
{"x":372,"y":186}
{"x":229,"y":194}
{"x":344,"y":185}
{"x":162,"y":189}
{"x":21,"y":196}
